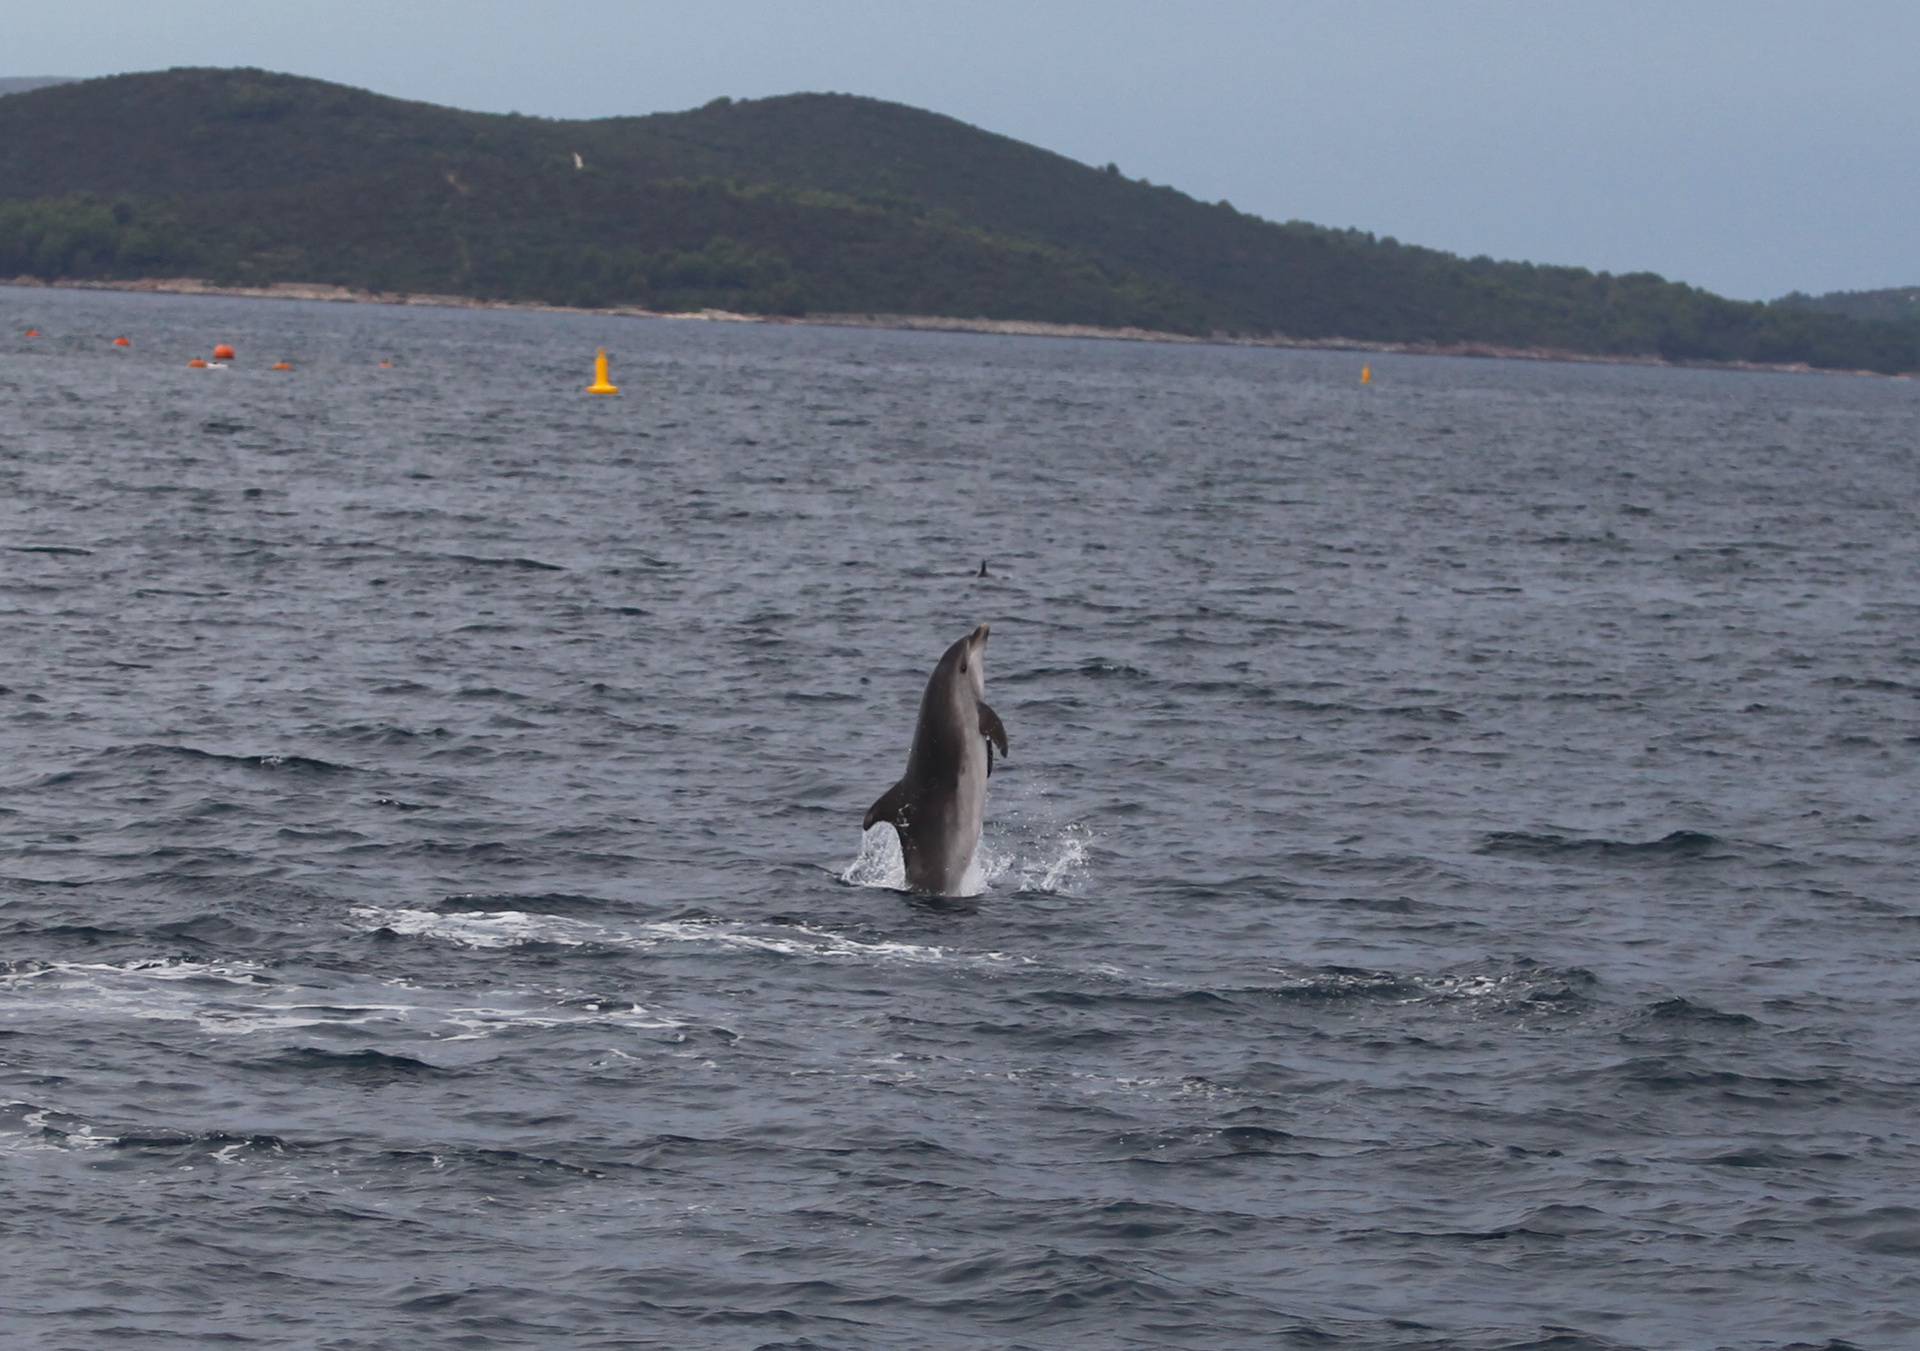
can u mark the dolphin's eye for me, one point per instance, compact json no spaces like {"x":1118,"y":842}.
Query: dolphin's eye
{"x":963,"y":665}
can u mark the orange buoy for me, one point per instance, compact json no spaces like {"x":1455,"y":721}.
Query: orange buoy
{"x":33,"y":333}
{"x":197,"y":364}
{"x":386,"y":365}
{"x":223,"y":353}
{"x":601,"y":384}
{"x":121,"y":342}
{"x":282,"y":365}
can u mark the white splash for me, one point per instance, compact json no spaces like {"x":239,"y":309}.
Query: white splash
{"x":483,"y":928}
{"x":879,"y":862}
{"x":799,"y":940}
{"x":499,"y":929}
{"x":35,"y":1132}
{"x":232,"y":973}
{"x":1042,"y":851}
{"x":486,"y":1022}
{"x":245,"y":1004}
{"x":1065,"y":872}
{"x":1025,"y":847}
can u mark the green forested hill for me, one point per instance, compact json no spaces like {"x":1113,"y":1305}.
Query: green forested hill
{"x":805,"y":203}
{"x":1890,"y":305}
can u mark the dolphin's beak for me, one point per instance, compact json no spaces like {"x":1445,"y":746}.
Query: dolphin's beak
{"x":979,"y":637}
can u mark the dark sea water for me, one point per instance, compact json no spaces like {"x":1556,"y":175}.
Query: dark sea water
{"x":1454,"y":885}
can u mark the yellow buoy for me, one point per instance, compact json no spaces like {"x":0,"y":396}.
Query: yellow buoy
{"x":601,"y":385}
{"x":1366,"y":375}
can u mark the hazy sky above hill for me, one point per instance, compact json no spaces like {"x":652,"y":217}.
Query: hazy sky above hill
{"x":1750,"y":147}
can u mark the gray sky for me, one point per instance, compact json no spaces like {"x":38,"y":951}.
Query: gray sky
{"x":1750,"y":147}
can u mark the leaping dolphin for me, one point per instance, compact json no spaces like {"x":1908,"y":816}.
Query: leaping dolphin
{"x":938,"y":804}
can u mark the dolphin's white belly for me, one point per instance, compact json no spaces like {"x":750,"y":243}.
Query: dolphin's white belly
{"x":946,"y":826}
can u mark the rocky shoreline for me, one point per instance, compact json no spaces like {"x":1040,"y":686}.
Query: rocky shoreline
{"x":920,"y":322}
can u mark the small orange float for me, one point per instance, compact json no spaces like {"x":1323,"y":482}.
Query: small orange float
{"x":33,"y":333}
{"x":601,"y":384}
{"x":197,"y":364}
{"x":223,"y":353}
{"x":121,"y":342}
{"x":282,"y":365}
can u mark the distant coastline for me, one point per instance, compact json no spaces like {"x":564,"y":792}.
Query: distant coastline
{"x":1027,"y":328}
{"x":827,"y":208}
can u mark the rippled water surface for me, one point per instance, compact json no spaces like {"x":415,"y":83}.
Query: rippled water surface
{"x":1453,"y":885}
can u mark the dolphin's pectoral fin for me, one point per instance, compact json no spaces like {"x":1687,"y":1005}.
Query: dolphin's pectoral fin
{"x":991,"y":729}
{"x":891,"y":807}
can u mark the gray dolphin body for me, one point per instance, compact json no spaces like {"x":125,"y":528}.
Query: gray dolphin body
{"x":938,"y":804}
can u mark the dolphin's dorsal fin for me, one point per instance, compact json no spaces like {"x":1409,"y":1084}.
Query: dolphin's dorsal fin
{"x":890,"y":806}
{"x":991,"y":729}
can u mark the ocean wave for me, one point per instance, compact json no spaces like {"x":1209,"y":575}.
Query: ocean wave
{"x":1682,"y":1073}
{"x":54,"y":550}
{"x":161,"y":752}
{"x":565,"y":903}
{"x":27,"y":1126}
{"x":1675,"y":845}
{"x":1678,"y":1009}
{"x":1093,"y":668}
{"x":514,"y":1165}
{"x":513,"y":563}
{"x":366,"y":1065}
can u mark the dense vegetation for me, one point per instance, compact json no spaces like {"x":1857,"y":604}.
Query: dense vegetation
{"x":807,"y":203}
{"x":1893,"y":305}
